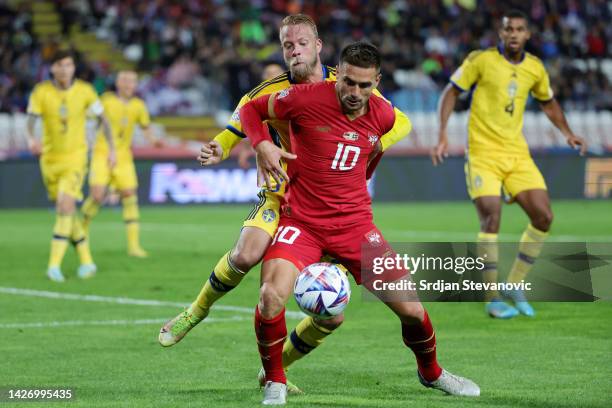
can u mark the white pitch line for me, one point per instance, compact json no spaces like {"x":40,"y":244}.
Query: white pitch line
{"x":127,"y":301}
{"x":458,"y":236}
{"x":36,"y":325}
{"x":450,"y":236}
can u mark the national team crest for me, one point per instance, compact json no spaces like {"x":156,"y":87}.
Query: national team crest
{"x":374,"y":238}
{"x":268,"y":216}
{"x":352,"y":136}
{"x":372,"y":139}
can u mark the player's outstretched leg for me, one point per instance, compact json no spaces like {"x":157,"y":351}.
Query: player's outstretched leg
{"x":536,"y":204}
{"x":307,"y":335}
{"x":227,"y":274}
{"x":418,"y":335}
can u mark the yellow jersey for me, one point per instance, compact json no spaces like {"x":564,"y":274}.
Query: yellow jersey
{"x":122,"y":117}
{"x":499,"y":95}
{"x":64,"y":114}
{"x":279,"y":129}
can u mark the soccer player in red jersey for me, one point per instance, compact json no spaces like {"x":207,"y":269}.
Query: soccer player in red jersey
{"x":334,"y":127}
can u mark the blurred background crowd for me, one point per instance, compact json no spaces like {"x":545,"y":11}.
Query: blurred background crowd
{"x":200,"y":56}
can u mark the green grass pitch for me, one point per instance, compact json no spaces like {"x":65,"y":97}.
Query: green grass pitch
{"x":108,"y":350}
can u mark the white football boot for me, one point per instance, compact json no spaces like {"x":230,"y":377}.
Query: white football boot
{"x":275,"y":393}
{"x":452,"y":384}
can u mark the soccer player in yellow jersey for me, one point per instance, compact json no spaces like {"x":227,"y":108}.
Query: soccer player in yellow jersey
{"x":64,"y":104}
{"x":301,"y":47}
{"x":124,"y":112}
{"x":498,"y":156}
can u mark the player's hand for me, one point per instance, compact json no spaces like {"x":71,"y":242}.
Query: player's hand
{"x":440,"y":151}
{"x":159,"y":143}
{"x":577,"y":142}
{"x":269,"y":158}
{"x":244,"y":155}
{"x":34,"y":147}
{"x":112,"y":159}
{"x":210,"y":153}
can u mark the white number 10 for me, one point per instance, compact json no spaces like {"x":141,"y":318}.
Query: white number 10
{"x":342,"y":155}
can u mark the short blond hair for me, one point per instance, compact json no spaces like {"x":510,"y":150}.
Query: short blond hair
{"x":295,"y":19}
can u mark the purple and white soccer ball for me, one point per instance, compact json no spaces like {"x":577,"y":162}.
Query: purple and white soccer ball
{"x":322,"y":290}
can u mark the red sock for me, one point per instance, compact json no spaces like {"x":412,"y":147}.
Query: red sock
{"x":271,"y":335}
{"x":421,"y":339}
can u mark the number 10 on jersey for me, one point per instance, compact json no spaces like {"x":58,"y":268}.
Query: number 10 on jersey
{"x":345,"y":154}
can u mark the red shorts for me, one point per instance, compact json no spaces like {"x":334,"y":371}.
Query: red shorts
{"x":354,"y":246}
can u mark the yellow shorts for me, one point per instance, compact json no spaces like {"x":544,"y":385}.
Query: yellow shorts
{"x":266,"y":212}
{"x":487,"y":175}
{"x":63,"y":176}
{"x":122,"y":176}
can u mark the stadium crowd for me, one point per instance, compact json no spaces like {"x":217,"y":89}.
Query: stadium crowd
{"x":228,"y":43}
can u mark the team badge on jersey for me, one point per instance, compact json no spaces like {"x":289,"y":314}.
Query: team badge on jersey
{"x":352,"y":136}
{"x":268,"y":216}
{"x":372,"y":139}
{"x":374,"y":238}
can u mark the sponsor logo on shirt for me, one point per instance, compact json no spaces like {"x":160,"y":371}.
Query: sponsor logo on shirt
{"x":282,"y":93}
{"x":352,"y":136}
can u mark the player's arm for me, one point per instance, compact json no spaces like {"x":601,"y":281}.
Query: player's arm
{"x":108,"y":135}
{"x":555,"y":114}
{"x":401,"y":128}
{"x":448,"y":99}
{"x":253,"y":114}
{"x":33,"y":142}
{"x":462,"y":80}
{"x":34,"y":112}
{"x":220,"y":147}
{"x":144,"y":121}
{"x":543,"y":93}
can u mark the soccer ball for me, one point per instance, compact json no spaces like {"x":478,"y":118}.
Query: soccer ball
{"x":322,"y":290}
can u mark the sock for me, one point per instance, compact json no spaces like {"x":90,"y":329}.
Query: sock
{"x":223,"y":278}
{"x":530,"y":247}
{"x":306,"y":336}
{"x":61,"y":235}
{"x":270,"y":336}
{"x":487,"y":245}
{"x":131,"y":217}
{"x":89,"y":209}
{"x":421,"y":339}
{"x":80,"y":242}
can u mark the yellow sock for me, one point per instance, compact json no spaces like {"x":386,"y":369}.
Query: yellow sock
{"x":223,"y":278}
{"x":306,"y":336}
{"x":488,"y":249}
{"x":61,"y":236}
{"x":79,"y":239}
{"x":89,"y":209}
{"x":530,"y":247}
{"x":131,"y":217}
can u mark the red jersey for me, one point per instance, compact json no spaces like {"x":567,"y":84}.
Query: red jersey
{"x":328,"y":179}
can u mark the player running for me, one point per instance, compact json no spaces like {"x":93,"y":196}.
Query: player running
{"x":301,"y":46}
{"x":64,"y":104}
{"x":327,"y":208}
{"x":124,"y":111}
{"x":501,"y":79}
